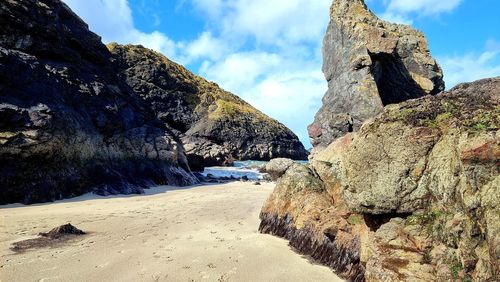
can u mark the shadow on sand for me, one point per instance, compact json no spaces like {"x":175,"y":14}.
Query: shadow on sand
{"x":91,"y":196}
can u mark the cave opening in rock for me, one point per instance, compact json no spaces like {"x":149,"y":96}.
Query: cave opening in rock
{"x":374,"y":221}
{"x":394,"y":82}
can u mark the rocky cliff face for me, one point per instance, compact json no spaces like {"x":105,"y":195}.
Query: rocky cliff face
{"x":412,"y":196}
{"x":68,"y":123}
{"x":369,"y":63}
{"x":216,"y":126}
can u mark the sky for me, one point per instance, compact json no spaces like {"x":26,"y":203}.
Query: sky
{"x":268,"y":52}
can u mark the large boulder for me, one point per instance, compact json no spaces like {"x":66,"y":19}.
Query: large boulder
{"x":277,"y":167}
{"x":214,"y":125}
{"x":68,"y":123}
{"x":416,"y":190}
{"x":369,"y":63}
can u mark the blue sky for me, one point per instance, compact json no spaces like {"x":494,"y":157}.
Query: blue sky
{"x":269,"y":51}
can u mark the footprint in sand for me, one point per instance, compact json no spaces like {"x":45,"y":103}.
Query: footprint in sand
{"x":223,"y":278}
{"x":47,"y":279}
{"x":204,"y":275}
{"x":211,"y":265}
{"x":156,"y":276}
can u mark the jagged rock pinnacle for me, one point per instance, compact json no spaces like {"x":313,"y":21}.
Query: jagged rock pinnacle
{"x":369,"y":63}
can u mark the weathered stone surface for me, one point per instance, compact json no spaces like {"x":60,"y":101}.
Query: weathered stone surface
{"x":68,"y":123}
{"x":303,"y":211}
{"x":214,"y":124}
{"x":417,"y":189}
{"x":369,"y":63}
{"x":419,"y":149}
{"x":277,"y":167}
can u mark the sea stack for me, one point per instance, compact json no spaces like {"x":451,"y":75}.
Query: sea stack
{"x":369,"y":63}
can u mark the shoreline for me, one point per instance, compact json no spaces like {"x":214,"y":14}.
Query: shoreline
{"x":197,"y":233}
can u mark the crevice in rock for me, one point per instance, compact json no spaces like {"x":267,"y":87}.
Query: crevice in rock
{"x":394,"y":81}
{"x":374,"y":221}
{"x":344,"y":261}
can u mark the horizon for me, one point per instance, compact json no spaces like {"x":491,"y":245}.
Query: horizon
{"x":278,"y":58}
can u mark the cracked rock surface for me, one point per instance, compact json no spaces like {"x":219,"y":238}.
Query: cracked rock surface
{"x":369,"y":63}
{"x":412,"y":196}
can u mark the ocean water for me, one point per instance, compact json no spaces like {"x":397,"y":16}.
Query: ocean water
{"x":237,"y":172}
{"x":249,"y":164}
{"x":239,"y":169}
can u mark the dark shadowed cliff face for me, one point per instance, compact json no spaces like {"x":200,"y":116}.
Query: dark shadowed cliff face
{"x":68,"y":123}
{"x":414,"y":195}
{"x":215,"y":125}
{"x":369,"y":63}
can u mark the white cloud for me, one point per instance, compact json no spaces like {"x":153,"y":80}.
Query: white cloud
{"x":206,"y":46}
{"x":403,"y":11}
{"x":425,"y":7}
{"x":268,"y":22}
{"x":112,"y":20}
{"x":396,"y":18}
{"x":240,"y":71}
{"x":291,"y":97}
{"x":470,"y":67}
{"x":493,"y":45}
{"x":213,"y":8}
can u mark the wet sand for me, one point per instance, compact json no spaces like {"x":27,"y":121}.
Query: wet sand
{"x":205,"y":233}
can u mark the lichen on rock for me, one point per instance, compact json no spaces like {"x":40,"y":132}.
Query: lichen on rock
{"x":416,"y":187}
{"x":216,"y":127}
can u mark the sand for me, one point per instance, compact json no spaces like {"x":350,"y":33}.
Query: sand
{"x":205,"y":233}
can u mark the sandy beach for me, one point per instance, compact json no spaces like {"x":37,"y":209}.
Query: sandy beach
{"x":205,"y":233}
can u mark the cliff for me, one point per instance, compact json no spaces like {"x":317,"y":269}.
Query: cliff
{"x":76,"y":116}
{"x":68,"y":123}
{"x":215,"y":126}
{"x":368,"y":64}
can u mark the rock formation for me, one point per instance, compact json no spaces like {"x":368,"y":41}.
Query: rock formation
{"x":216,"y":126}
{"x":369,"y":63}
{"x":75,"y":117}
{"x":412,"y":196}
{"x":68,"y":123}
{"x":277,"y":167}
{"x":409,"y":192}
